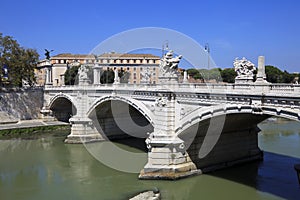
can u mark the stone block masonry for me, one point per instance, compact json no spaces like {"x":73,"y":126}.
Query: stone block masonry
{"x":21,"y":104}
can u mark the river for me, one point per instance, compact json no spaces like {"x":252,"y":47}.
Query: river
{"x":46,"y":168}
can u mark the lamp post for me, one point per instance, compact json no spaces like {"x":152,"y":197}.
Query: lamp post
{"x":208,"y":51}
{"x":165,"y":46}
{"x":297,"y":168}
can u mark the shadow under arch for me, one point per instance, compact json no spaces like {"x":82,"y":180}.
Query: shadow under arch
{"x":123,"y":120}
{"x":237,"y":143}
{"x":205,"y":113}
{"x":62,"y":107}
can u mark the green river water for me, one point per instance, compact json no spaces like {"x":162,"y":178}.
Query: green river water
{"x":46,"y":168}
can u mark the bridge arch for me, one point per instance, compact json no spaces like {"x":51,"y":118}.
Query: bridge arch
{"x":132,"y":102}
{"x":117,"y":117}
{"x":204,"y":113}
{"x":62,"y":107}
{"x":224,"y":135}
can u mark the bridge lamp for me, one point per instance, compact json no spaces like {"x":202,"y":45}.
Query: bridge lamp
{"x":297,"y":168}
{"x":207,"y":49}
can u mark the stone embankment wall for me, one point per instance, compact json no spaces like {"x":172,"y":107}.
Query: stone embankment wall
{"x":21,"y":104}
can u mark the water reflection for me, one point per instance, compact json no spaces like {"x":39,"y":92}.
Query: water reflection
{"x":47,"y":168}
{"x":274,"y":175}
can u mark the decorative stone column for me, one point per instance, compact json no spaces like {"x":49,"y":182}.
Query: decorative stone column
{"x":62,"y":80}
{"x":167,"y":156}
{"x":185,"y":79}
{"x":116,"y":79}
{"x":97,"y":74}
{"x":261,"y":72}
{"x":48,"y":69}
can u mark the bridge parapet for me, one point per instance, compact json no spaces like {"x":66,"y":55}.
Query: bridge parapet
{"x":218,"y":87}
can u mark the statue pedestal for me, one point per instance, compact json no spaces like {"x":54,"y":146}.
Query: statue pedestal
{"x":84,"y":81}
{"x":244,"y":80}
{"x":168,"y":80}
{"x":261,"y":80}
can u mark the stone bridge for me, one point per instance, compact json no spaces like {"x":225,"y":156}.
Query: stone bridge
{"x":188,"y":128}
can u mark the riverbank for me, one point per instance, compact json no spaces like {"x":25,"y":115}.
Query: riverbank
{"x":30,"y":129}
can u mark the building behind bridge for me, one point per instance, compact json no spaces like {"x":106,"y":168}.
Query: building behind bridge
{"x":135,"y":64}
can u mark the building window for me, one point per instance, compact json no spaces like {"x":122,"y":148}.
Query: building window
{"x":134,"y":76}
{"x":128,"y":68}
{"x":134,"y":82}
{"x":134,"y":69}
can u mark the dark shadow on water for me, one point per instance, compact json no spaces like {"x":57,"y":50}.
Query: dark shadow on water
{"x":137,"y":143}
{"x":275,"y":175}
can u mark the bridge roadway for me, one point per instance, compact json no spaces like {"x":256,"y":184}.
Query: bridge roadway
{"x":193,"y":128}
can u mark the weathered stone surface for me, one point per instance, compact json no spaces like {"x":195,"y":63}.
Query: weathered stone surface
{"x":22,"y":103}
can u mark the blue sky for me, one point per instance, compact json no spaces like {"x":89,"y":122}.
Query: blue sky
{"x":232,"y":28}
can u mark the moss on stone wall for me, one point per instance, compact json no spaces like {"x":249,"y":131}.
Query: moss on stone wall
{"x":35,"y":132}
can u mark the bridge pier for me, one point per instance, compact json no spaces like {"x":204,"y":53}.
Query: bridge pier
{"x":83,"y":131}
{"x":167,"y":156}
{"x":168,"y":159}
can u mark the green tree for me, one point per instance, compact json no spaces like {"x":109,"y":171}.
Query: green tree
{"x":228,"y":75}
{"x":194,"y":73}
{"x":107,"y":76}
{"x":214,"y":74}
{"x":287,"y":77}
{"x":275,"y":75}
{"x":20,"y":62}
{"x":71,"y":75}
{"x":124,"y":76}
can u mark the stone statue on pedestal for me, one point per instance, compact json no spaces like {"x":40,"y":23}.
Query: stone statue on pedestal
{"x":168,"y":68}
{"x":83,"y":75}
{"x":82,"y":72}
{"x":145,"y":76}
{"x":169,"y":64}
{"x":47,"y":54}
{"x":244,"y":69}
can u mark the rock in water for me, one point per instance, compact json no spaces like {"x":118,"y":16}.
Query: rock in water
{"x":148,"y":195}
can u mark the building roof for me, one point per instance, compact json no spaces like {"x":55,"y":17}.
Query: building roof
{"x":128,"y":55}
{"x":69,"y":55}
{"x":104,"y":55}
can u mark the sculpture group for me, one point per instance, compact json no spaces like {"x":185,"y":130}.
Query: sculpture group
{"x":169,"y":64}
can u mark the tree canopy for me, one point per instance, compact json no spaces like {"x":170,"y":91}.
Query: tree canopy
{"x":274,"y":75}
{"x":228,"y":75}
{"x":19,"y":61}
{"x":71,"y":75}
